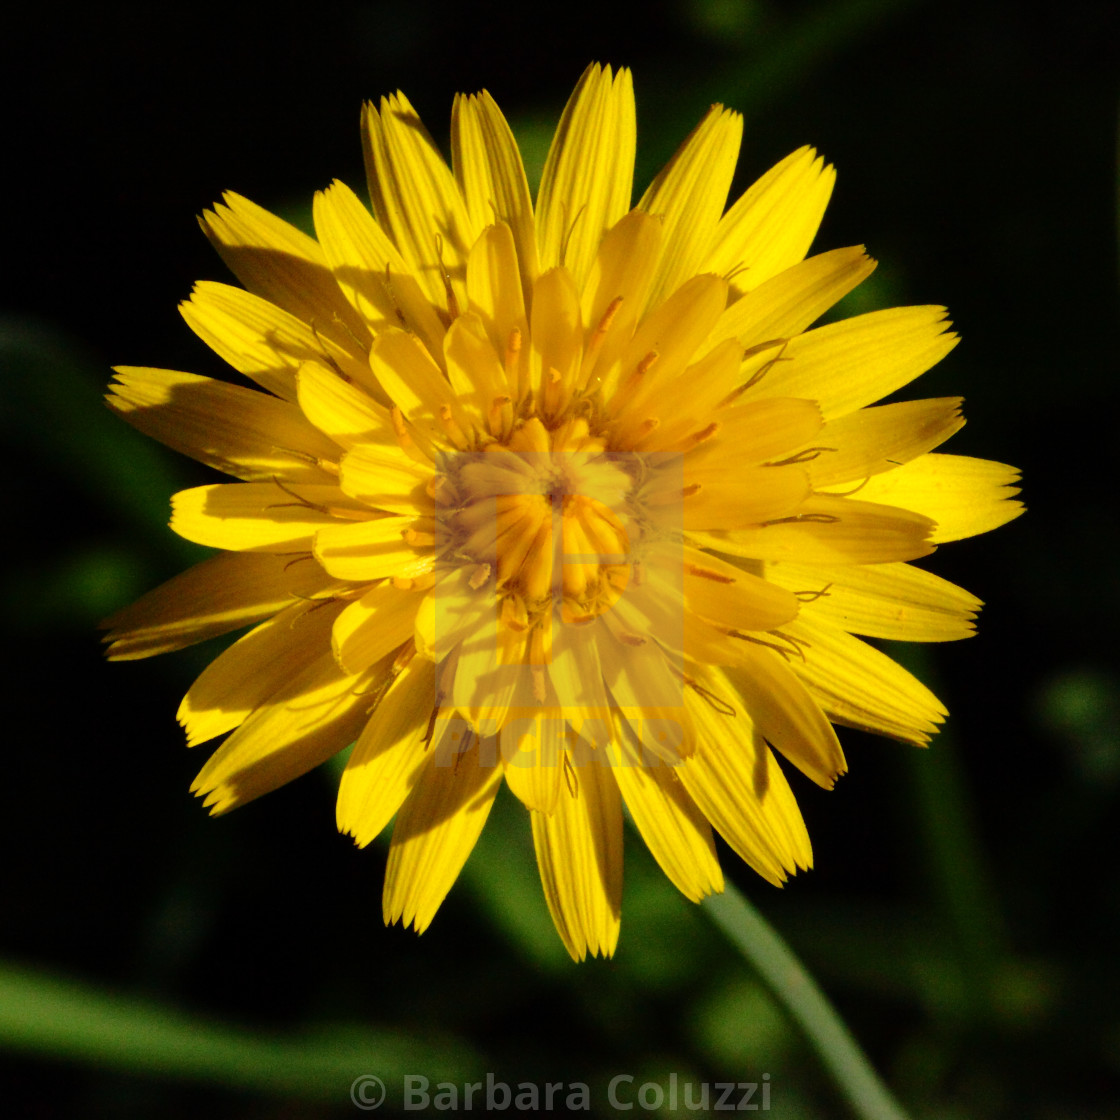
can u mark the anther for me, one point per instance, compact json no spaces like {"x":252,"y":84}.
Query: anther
{"x":495,"y":417}
{"x":598,"y":337}
{"x":707,"y":573}
{"x":451,"y":427}
{"x":419,"y":539}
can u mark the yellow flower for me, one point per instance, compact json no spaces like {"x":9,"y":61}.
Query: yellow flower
{"x":565,"y":494}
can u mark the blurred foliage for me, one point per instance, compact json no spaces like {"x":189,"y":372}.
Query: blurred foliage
{"x":965,"y":908}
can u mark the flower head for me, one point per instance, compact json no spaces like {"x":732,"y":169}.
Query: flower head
{"x":565,"y":494}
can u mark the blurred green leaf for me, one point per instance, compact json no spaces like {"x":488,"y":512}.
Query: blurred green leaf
{"x":64,"y":1018}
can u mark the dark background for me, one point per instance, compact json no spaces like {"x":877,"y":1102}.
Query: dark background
{"x":965,"y":907}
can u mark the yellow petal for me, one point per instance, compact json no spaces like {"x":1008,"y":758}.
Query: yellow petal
{"x":689,"y":195}
{"x":788,"y":303}
{"x":964,"y":496}
{"x":589,"y":173}
{"x":491,"y":176}
{"x":381,"y":621}
{"x":623,"y":271}
{"x":784,"y":713}
{"x":831,"y":530}
{"x":749,"y":496}
{"x":435,"y":832}
{"x":278,"y":262}
{"x":367,"y":550}
{"x":737,"y":784}
{"x":340,"y":409}
{"x":860,"y":687}
{"x":389,"y":756}
{"x":247,"y":434}
{"x":256,"y":516}
{"x":370,"y":271}
{"x":557,"y":336}
{"x":254,"y":668}
{"x":224,"y":593}
{"x":474,"y":370}
{"x":773,"y":224}
{"x":314,"y":715}
{"x":675,"y":831}
{"x":491,"y":660}
{"x":849,"y":364}
{"x":413,"y":380}
{"x":416,"y":199}
{"x":385,"y":478}
{"x":893,"y":601}
{"x":254,"y":336}
{"x":496,"y":296}
{"x":579,"y":854}
{"x":734,"y":597}
{"x":760,"y":431}
{"x":534,"y":761}
{"x":874,"y":440}
{"x":663,"y":345}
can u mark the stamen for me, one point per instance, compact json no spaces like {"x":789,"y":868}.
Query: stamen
{"x":816,"y":518}
{"x":635,"y":379}
{"x":299,"y":500}
{"x":714,"y":701}
{"x":598,"y":337}
{"x":313,"y":460}
{"x":496,"y":417}
{"x":571,"y":230}
{"x":404,"y":436}
{"x":427,"y":739}
{"x":513,"y":361}
{"x":707,"y":573}
{"x":419,"y":539}
{"x":451,"y":426}
{"x":404,"y":656}
{"x":479,"y":577}
{"x":696,"y":438}
{"x":629,"y":639}
{"x":792,"y":649}
{"x":761,"y":373}
{"x":339,"y":321}
{"x":570,"y":779}
{"x":812,"y":596}
{"x":449,"y":292}
{"x":806,"y":456}
{"x":848,"y":493}
{"x":328,"y":357}
{"x":390,"y":291}
{"x":299,"y":559}
{"x":514,"y":615}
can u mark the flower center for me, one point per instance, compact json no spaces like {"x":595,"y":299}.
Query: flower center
{"x":552,"y":526}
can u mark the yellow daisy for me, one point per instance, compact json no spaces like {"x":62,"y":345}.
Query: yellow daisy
{"x":567,"y":494}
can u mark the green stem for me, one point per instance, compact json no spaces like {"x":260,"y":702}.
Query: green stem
{"x":806,"y":1004}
